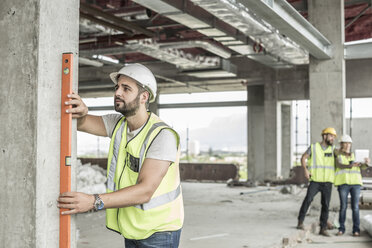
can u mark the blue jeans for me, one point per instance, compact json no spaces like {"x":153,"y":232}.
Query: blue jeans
{"x":157,"y":240}
{"x":343,"y":191}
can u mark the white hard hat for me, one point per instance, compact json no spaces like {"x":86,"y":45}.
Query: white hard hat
{"x":141,"y":74}
{"x":346,"y":138}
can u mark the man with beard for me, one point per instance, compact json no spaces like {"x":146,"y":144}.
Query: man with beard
{"x":144,"y":198}
{"x":320,"y":171}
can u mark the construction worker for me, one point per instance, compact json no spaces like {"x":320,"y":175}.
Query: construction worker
{"x":144,"y":198}
{"x":348,"y":179}
{"x":320,"y":173}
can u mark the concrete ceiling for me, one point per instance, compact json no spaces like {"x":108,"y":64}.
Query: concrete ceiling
{"x":199,"y":46}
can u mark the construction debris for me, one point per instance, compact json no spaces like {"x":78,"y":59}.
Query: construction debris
{"x":90,"y":178}
{"x":366,"y":223}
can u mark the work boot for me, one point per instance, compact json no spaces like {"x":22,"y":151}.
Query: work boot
{"x":330,"y":226}
{"x":323,"y":231}
{"x":300,"y":225}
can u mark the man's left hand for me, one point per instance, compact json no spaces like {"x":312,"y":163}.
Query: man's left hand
{"x":75,"y":201}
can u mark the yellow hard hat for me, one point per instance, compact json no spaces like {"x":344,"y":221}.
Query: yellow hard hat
{"x":329,"y":130}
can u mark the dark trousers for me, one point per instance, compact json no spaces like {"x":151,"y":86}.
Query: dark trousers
{"x":325,"y":189}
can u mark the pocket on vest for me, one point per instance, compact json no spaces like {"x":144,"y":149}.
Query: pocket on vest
{"x":133,"y":163}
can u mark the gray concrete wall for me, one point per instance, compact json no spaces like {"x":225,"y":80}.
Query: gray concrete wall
{"x":33,"y":36}
{"x":256,"y":133}
{"x":361,"y":133}
{"x":294,"y":84}
{"x":272,"y":114}
{"x":358,"y":78}
{"x":327,"y":78}
{"x":286,"y":110}
{"x":265,"y":133}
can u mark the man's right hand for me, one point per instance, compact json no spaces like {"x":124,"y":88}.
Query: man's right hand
{"x":307,"y":174}
{"x":86,"y":123}
{"x":79,"y":109}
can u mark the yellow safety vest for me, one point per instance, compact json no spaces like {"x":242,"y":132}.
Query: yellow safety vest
{"x":351,"y":176}
{"x":164,"y":212}
{"x":321,"y":164}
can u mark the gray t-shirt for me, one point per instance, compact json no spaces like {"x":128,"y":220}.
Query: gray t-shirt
{"x":164,"y":146}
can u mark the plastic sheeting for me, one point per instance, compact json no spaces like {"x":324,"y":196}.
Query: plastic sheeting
{"x":366,"y":223}
{"x":90,"y":178}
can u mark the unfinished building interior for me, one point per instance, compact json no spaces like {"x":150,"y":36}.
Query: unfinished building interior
{"x":278,"y":51}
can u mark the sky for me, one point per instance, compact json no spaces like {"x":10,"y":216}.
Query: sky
{"x":197,"y":119}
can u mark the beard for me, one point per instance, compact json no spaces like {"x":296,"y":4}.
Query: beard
{"x":329,"y":142}
{"x":128,"y":109}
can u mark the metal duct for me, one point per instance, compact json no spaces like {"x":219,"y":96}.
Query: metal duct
{"x":91,"y":62}
{"x":182,"y":17}
{"x":198,"y":43}
{"x":226,"y":69}
{"x":87,"y":26}
{"x":238,"y":16}
{"x":166,"y":9}
{"x":172,"y":55}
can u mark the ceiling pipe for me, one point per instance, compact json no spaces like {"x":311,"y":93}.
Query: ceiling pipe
{"x":183,"y":12}
{"x":172,"y":55}
{"x":358,"y":16}
{"x":105,"y":23}
{"x":91,"y":62}
{"x":237,"y":15}
{"x":208,"y":46}
{"x":115,"y":20}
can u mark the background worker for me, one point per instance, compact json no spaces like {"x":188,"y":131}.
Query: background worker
{"x":320,"y":161}
{"x":144,"y":198}
{"x":348,"y":179}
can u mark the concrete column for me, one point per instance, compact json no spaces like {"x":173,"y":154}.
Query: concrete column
{"x":272,"y":115}
{"x":33,"y":37}
{"x":256,"y":133}
{"x":286,"y":110}
{"x":327,"y":77}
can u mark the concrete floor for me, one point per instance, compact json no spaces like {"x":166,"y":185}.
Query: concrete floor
{"x":218,"y":216}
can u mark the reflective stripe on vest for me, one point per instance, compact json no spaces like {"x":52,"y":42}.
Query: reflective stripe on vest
{"x":315,"y":166}
{"x":347,"y":171}
{"x":321,"y":167}
{"x":351,"y":176}
{"x":111,"y":175}
{"x":143,"y":148}
{"x":164,"y":211}
{"x":110,"y":180}
{"x":161,"y":199}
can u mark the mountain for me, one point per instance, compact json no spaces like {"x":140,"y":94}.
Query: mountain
{"x":224,"y":133}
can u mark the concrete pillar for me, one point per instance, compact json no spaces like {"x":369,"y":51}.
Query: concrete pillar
{"x":272,"y":116}
{"x":286,"y":110}
{"x":256,"y":158}
{"x":327,"y":77}
{"x":33,"y":37}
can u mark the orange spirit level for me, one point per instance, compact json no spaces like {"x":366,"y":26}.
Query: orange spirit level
{"x":65,"y":161}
